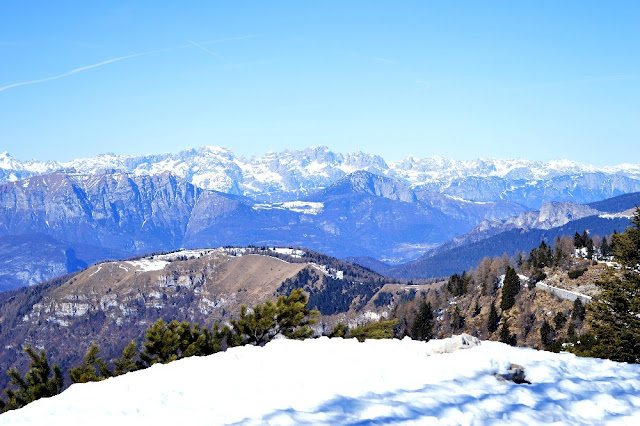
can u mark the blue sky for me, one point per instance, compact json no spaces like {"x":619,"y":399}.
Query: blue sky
{"x":538,"y":80}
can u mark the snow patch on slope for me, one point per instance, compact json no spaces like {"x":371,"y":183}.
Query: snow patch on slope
{"x":304,"y":207}
{"x":148,"y":265}
{"x":338,"y":381}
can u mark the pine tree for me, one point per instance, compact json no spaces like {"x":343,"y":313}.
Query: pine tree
{"x":422,"y":328}
{"x":458,"y":284}
{"x":175,"y":340}
{"x":571,"y":331}
{"x":579,"y":312}
{"x":546,"y":333}
{"x":492,"y":323}
{"x":614,"y":318}
{"x":339,"y":330}
{"x":36,"y":384}
{"x":476,"y":309}
{"x":289,"y":316}
{"x":505,"y":334}
{"x":605,"y":250}
{"x":626,"y":248}
{"x":510,"y":289}
{"x":560,"y":320}
{"x":127,"y":361}
{"x":294,"y":318}
{"x":92,"y":369}
{"x":374,"y":330}
{"x":590,"y":249}
{"x":615,"y":312}
{"x":162,"y":342}
{"x":457,"y":319}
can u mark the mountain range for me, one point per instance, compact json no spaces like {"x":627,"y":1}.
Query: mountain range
{"x":65,"y":221}
{"x":57,"y":218}
{"x":290,"y":175}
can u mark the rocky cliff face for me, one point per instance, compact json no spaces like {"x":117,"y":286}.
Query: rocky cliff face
{"x":111,"y":210}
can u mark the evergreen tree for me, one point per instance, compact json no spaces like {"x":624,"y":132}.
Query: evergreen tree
{"x":546,"y":333}
{"x":590,"y":249}
{"x":162,"y":342}
{"x":476,"y":309}
{"x":505,"y":334}
{"x":289,"y":316}
{"x":197,"y":342}
{"x":36,"y":384}
{"x":127,"y":361}
{"x":294,"y":318}
{"x":571,"y":331}
{"x":457,"y":319}
{"x":560,"y":320}
{"x":422,"y":328}
{"x":458,"y":284}
{"x":510,"y":289}
{"x":492,"y":323}
{"x":605,"y":250}
{"x":224,"y":338}
{"x":579,"y":312}
{"x":339,"y":330}
{"x":374,"y":330}
{"x":541,"y":256}
{"x":626,"y":248}
{"x":92,"y":369}
{"x":614,"y":319}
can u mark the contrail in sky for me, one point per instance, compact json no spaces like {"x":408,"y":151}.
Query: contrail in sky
{"x":77,"y":70}
{"x":206,"y":50}
{"x":122,"y":58}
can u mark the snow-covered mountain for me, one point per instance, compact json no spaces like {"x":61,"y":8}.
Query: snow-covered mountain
{"x":67,"y":220}
{"x":338,"y":381}
{"x":289,"y":175}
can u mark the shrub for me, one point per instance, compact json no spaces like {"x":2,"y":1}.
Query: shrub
{"x":374,"y":330}
{"x":576,"y":273}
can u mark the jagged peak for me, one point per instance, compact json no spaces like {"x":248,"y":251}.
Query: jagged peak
{"x":363,"y":181}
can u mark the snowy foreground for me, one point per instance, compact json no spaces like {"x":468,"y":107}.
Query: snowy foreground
{"x":336,"y":381}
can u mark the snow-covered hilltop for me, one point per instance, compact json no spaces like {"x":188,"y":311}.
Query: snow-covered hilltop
{"x":336,"y":381}
{"x":287,"y":175}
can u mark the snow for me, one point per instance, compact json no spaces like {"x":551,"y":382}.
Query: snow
{"x":524,"y":280}
{"x":289,"y":251}
{"x":628,"y":214}
{"x":341,"y":381}
{"x":147,"y":265}
{"x":276,"y":176}
{"x":304,"y":207}
{"x":196,"y":254}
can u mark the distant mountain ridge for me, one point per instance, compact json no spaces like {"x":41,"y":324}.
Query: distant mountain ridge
{"x":83,"y":218}
{"x":290,"y":175}
{"x":518,"y":233}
